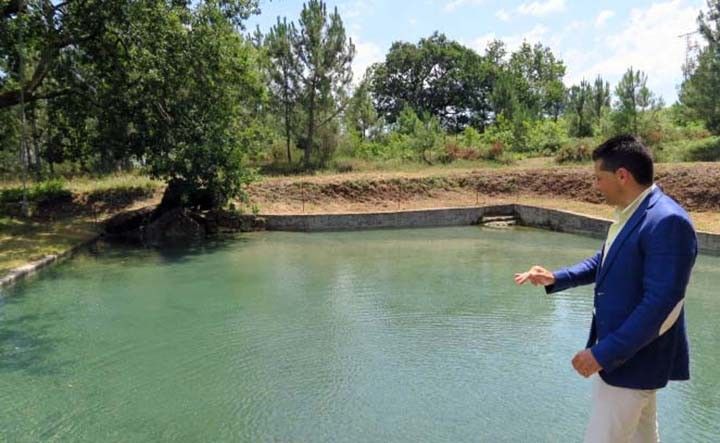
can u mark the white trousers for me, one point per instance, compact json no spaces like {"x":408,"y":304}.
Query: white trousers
{"x":621,"y":415}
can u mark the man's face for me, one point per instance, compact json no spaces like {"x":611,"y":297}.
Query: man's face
{"x":608,"y":183}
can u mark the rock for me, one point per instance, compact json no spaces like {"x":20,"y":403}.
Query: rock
{"x":177,"y":225}
{"x":153,"y":227}
{"x":128,"y":221}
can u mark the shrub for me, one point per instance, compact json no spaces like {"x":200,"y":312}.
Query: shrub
{"x":580,"y":150}
{"x":545,"y":137}
{"x":43,"y":192}
{"x":453,"y":152}
{"x":470,"y":138}
{"x":706,"y":150}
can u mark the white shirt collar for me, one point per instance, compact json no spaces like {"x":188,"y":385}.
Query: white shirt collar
{"x":628,"y":211}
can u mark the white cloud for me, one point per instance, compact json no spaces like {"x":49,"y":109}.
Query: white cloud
{"x":412,"y":21}
{"x":355,"y":9}
{"x":603,"y":17}
{"x":503,"y":15}
{"x":538,"y":8}
{"x":455,"y":4}
{"x":538,"y":34}
{"x":366,"y":53}
{"x":647,"y":41}
{"x":575,"y":25}
{"x":479,"y":44}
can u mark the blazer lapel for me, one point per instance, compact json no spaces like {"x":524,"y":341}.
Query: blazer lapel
{"x":626,"y":230}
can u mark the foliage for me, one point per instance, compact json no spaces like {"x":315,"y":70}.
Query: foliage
{"x":39,"y":192}
{"x":635,"y":104}
{"x":700,"y":92}
{"x":578,"y":151}
{"x":437,"y":76}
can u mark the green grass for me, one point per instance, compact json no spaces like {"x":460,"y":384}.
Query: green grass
{"x":23,"y":241}
{"x":79,"y":185}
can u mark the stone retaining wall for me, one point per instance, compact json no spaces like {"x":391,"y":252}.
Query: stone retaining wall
{"x":543,"y":218}
{"x":377,"y":220}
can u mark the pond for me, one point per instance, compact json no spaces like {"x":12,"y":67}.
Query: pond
{"x":388,"y":335}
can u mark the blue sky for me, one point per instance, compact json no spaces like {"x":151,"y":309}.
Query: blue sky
{"x":591,"y":37}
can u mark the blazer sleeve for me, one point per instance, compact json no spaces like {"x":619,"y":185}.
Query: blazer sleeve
{"x":669,"y":255}
{"x":582,"y":273}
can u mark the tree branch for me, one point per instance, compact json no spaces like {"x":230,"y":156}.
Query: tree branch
{"x":14,"y":7}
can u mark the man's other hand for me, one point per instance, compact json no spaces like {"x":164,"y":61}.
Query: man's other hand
{"x":585,"y":364}
{"x":537,"y":275}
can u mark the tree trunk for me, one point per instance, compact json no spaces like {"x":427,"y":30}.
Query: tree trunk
{"x":287,"y":132}
{"x":36,"y":150}
{"x":311,"y":126}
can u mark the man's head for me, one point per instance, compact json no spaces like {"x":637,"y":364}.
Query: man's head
{"x":623,"y":168}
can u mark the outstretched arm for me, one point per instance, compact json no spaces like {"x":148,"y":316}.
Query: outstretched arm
{"x":580,"y":274}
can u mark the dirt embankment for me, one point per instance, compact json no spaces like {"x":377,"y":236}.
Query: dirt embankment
{"x":696,"y":187}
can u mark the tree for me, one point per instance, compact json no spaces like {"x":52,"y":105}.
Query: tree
{"x":56,"y":33}
{"x":633,"y":100}
{"x":600,"y":97}
{"x":171,"y":84}
{"x":541,"y":89}
{"x":324,"y":71}
{"x":360,"y":115}
{"x":437,"y":76}
{"x":700,"y":91}
{"x":580,"y":109}
{"x":585,"y":105}
{"x":283,"y":81}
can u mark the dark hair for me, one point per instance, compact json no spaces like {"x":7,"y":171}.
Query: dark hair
{"x":626,"y":151}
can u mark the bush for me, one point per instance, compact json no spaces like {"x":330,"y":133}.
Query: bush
{"x":499,"y":133}
{"x":343,"y":165}
{"x":546,"y":137}
{"x":121,"y":194}
{"x":454,"y":152}
{"x":580,"y":150}
{"x":470,"y":138}
{"x":707,"y":150}
{"x":43,"y":192}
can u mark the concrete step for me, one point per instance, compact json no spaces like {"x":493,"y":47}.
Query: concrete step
{"x":499,"y":221}
{"x":495,"y":218}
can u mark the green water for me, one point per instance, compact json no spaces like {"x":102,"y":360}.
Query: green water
{"x":394,"y":335}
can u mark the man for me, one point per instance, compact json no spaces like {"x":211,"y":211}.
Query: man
{"x":637,"y":339}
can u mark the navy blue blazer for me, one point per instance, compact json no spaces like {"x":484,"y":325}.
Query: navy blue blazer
{"x":643,"y":279}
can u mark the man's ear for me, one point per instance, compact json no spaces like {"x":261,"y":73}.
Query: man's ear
{"x":623,"y":175}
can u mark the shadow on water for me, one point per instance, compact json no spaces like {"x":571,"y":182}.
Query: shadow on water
{"x":171,"y":253}
{"x":26,"y":343}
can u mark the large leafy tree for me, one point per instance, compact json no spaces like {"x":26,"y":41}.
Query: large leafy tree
{"x":172,"y":84}
{"x":55,"y":35}
{"x":700,"y":91}
{"x":437,"y":76}
{"x":541,"y":89}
